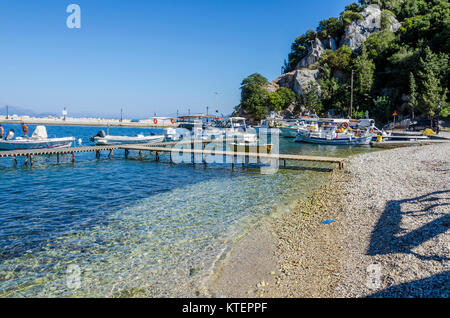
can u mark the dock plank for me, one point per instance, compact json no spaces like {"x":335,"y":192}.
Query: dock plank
{"x":340,"y":161}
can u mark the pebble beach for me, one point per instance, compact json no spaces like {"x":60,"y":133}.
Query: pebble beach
{"x":377,"y":229}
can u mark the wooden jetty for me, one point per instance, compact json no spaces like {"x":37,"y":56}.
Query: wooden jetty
{"x":29,"y":153}
{"x":164,"y":148}
{"x":244,"y":155}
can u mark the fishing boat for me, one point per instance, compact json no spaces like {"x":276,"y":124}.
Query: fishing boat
{"x":289,"y":128}
{"x":38,"y":140}
{"x":103,"y":139}
{"x":237,"y":128}
{"x":250,"y":147}
{"x":332,"y":133}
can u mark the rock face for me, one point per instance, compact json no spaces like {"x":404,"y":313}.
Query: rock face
{"x":360,"y":30}
{"x":355,"y":34}
{"x":296,"y":80}
{"x":315,"y":51}
{"x":303,"y":78}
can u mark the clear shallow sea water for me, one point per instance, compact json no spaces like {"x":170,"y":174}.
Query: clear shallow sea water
{"x":112,"y":228}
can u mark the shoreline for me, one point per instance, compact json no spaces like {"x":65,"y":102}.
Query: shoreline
{"x":389,"y":237}
{"x":166,"y":123}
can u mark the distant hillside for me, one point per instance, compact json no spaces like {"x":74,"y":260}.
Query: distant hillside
{"x":397,"y":51}
{"x":20,"y":111}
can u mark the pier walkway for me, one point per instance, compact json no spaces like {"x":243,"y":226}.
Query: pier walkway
{"x":164,"y":147}
{"x":206,"y":152}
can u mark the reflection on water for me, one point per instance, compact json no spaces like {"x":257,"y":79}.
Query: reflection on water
{"x":132,"y":227}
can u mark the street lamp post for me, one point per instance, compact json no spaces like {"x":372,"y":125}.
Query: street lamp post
{"x":217,"y":99}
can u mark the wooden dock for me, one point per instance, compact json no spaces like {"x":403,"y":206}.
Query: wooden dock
{"x":244,"y":155}
{"x":164,"y":147}
{"x":29,"y":153}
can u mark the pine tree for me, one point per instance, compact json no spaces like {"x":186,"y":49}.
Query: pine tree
{"x":364,"y":70}
{"x":431,"y":74}
{"x":413,"y":103}
{"x":312,"y":99}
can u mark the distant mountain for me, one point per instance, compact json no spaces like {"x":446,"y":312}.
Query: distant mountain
{"x":21,"y":111}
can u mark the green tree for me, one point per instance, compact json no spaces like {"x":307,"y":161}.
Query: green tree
{"x":331,"y":27}
{"x":334,"y":95}
{"x":287,"y":95}
{"x":275,"y":101}
{"x":338,"y":60}
{"x":299,"y":49}
{"x":353,"y":7}
{"x":382,"y":108}
{"x":253,"y":95}
{"x":432,"y":74}
{"x":364,"y":76}
{"x":348,"y":17}
{"x":412,"y":101}
{"x":311,"y":98}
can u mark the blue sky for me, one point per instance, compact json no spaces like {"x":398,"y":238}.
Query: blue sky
{"x":145,"y":56}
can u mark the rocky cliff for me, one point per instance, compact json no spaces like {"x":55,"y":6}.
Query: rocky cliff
{"x":354,"y":35}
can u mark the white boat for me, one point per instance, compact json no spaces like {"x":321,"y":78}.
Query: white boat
{"x":236,"y":127}
{"x":38,"y":140}
{"x":329,"y":133}
{"x":171,"y":134}
{"x":102,"y":139}
{"x":289,"y":128}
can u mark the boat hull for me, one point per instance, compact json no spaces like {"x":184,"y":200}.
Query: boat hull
{"x":119,"y":140}
{"x":334,"y":141}
{"x":36,"y":144}
{"x":288,"y":132}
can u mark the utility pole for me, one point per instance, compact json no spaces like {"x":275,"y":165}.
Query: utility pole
{"x":207,"y":108}
{"x":351,"y":97}
{"x":217,"y":99}
{"x":121,"y":113}
{"x":7,"y":112}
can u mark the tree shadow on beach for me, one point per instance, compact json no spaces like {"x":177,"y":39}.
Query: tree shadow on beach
{"x":435,"y":286}
{"x":387,"y":238}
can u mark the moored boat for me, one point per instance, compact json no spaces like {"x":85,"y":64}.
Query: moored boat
{"x":331,"y":133}
{"x":102,"y":139}
{"x":38,"y":140}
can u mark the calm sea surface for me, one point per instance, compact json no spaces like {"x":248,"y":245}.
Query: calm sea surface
{"x":112,"y":228}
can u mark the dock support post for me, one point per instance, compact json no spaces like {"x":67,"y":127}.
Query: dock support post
{"x":193,"y":159}
{"x":57,"y":158}
{"x":14,"y":162}
{"x":126,"y":153}
{"x":73,"y":157}
{"x":284,"y":163}
{"x":31,"y":161}
{"x":26,"y":160}
{"x":97,"y":154}
{"x":157,"y":156}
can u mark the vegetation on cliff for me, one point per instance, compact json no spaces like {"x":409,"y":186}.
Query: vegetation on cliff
{"x":406,"y":71}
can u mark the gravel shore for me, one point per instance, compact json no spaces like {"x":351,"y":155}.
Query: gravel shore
{"x":388,"y":236}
